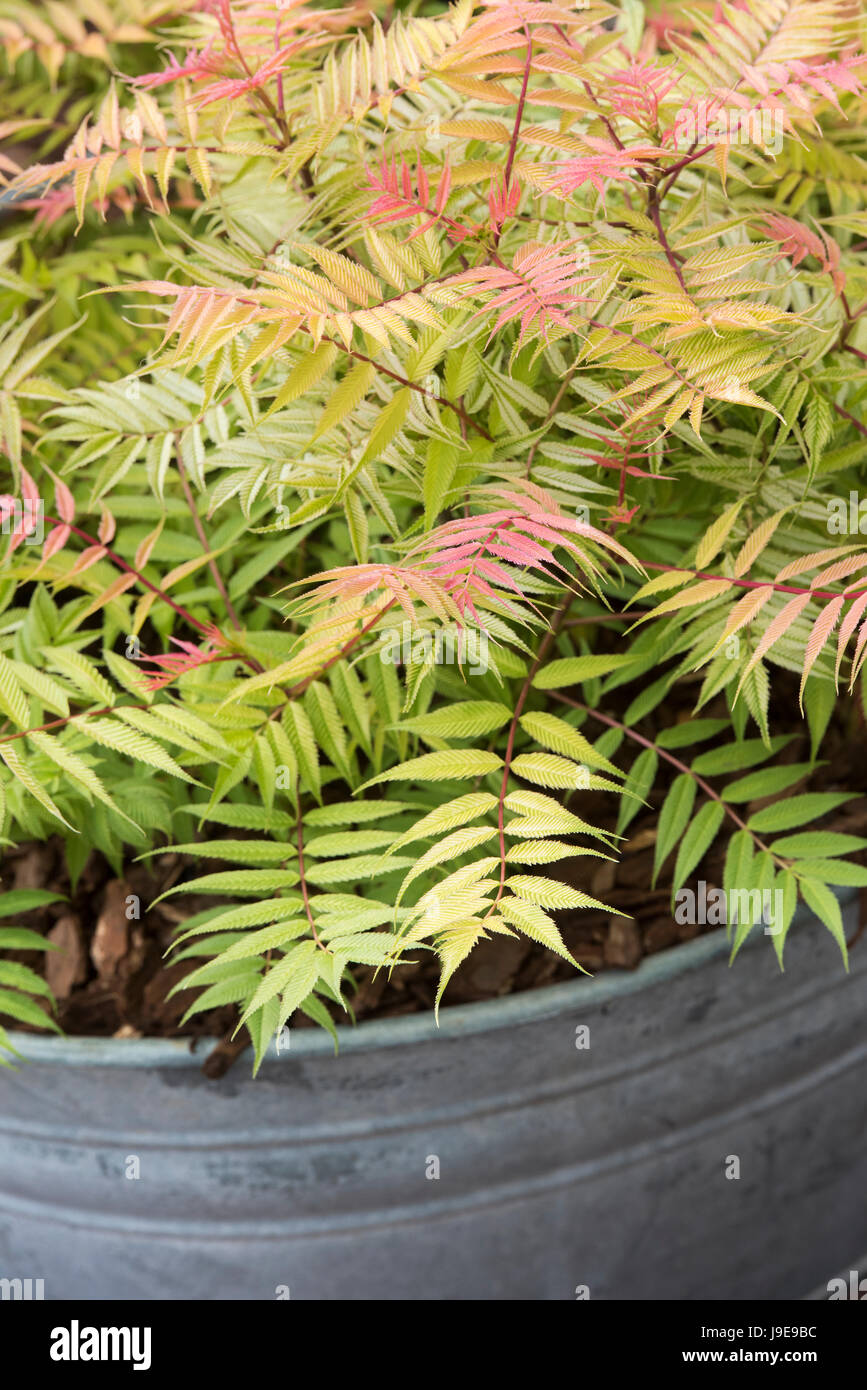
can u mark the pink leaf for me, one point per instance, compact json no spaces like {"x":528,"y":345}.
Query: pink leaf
{"x":106,"y":526}
{"x":57,"y":538}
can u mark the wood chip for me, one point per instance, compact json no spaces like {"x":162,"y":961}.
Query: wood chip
{"x":111,"y":938}
{"x":623,"y":946}
{"x":66,"y":967}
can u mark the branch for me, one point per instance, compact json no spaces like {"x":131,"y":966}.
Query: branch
{"x":200,"y":532}
{"x":653,"y":211}
{"x":544,"y":648}
{"x":60,"y":723}
{"x":754,"y":583}
{"x":122,"y":564}
{"x":405,"y":381}
{"x":347,"y":647}
{"x":519,"y":114}
{"x":675,"y":762}
{"x":299,"y":830}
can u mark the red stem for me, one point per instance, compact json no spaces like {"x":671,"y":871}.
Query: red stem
{"x":544,"y":648}
{"x":128,"y":569}
{"x":753,"y":583}
{"x":519,"y":115}
{"x":675,"y":762}
{"x":200,"y":532}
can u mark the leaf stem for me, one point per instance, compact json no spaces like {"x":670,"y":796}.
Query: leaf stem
{"x":129,"y":569}
{"x":675,"y":762}
{"x":544,"y":648}
{"x":200,"y":532}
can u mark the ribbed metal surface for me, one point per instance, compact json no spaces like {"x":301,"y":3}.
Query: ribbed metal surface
{"x":558,"y":1167}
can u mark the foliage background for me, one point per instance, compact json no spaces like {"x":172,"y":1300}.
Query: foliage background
{"x":319,"y":323}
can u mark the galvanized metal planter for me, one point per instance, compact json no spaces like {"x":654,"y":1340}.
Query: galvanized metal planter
{"x":490,"y":1159}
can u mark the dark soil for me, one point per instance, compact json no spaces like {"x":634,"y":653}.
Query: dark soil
{"x":111,"y":978}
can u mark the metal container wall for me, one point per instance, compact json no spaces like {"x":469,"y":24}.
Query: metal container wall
{"x":490,"y":1159}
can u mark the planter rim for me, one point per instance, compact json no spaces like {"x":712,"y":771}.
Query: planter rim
{"x":461,"y":1021}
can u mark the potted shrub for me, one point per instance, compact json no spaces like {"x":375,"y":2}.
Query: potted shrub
{"x":433,"y":572}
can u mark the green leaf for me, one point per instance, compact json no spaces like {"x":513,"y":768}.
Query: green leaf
{"x":23,"y":939}
{"x":388,"y":424}
{"x":642,"y":776}
{"x":25,"y":899}
{"x":571,"y":670}
{"x":272,"y":910}
{"x":441,"y":463}
{"x":231,"y":991}
{"x":818,"y":427}
{"x":453,"y":947}
{"x":327,"y":726}
{"x":690,"y":731}
{"x":354,"y":869}
{"x":352,"y":702}
{"x":818,"y":844}
{"x":452,"y":764}
{"x":21,"y":771}
{"x":13,"y":701}
{"x":447,"y":817}
{"x":824,"y":903}
{"x":304,"y":376}
{"x":452,"y":847}
{"x":560,"y":737}
{"x":133,"y":744}
{"x":547,"y":770}
{"x":534,"y":922}
{"x":756,"y":688}
{"x":758,"y":899}
{"x":648,"y":699}
{"x":342,"y":402}
{"x":550,"y":892}
{"x":673,"y":819}
{"x":738,"y":869}
{"x":836,"y":871}
{"x":300,"y":733}
{"x":254,"y":943}
{"x":75,"y":768}
{"x":263,"y":852}
{"x":769,"y":782}
{"x":80,"y":671}
{"x":696,"y":842}
{"x":547,"y":852}
{"x":22,"y":977}
{"x":820,"y":698}
{"x":796,"y":810}
{"x":262,"y":1025}
{"x":355,"y":812}
{"x":241,"y":883}
{"x":369,"y":948}
{"x":292,"y":978}
{"x":466,"y":719}
{"x":314,"y":1009}
{"x":20,"y":1007}
{"x":716,"y":536}
{"x":735,"y":756}
{"x":786,"y":885}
